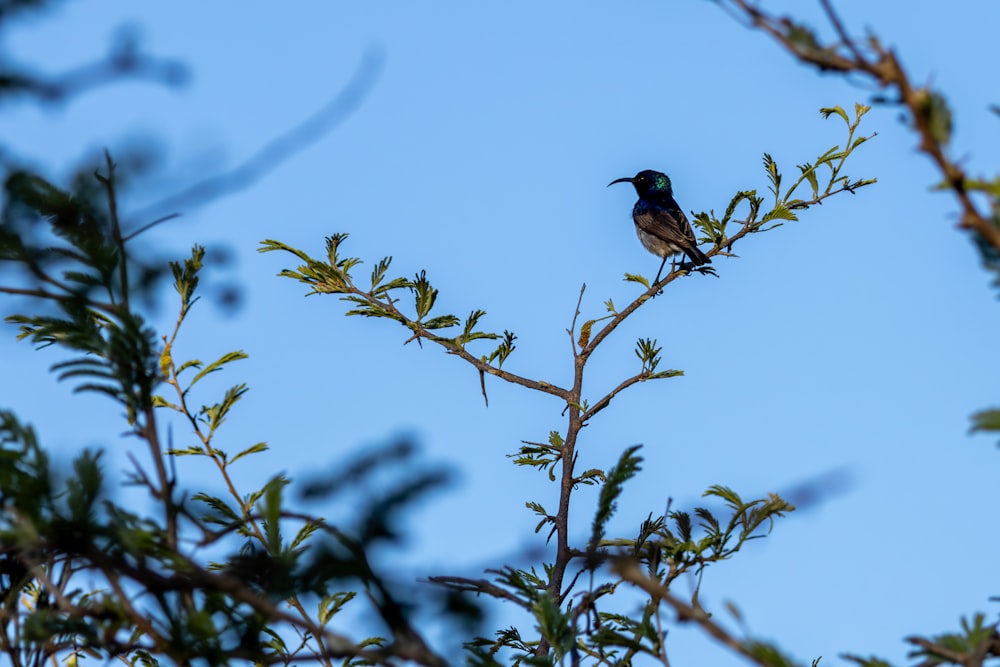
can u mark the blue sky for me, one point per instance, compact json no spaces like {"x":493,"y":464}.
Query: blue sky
{"x":855,"y":342}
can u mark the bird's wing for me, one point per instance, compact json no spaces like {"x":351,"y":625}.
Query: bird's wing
{"x":667,"y":223}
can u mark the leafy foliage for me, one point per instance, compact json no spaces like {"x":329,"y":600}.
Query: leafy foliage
{"x":58,"y":532}
{"x":786,"y":203}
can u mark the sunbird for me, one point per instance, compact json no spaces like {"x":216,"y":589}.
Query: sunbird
{"x":659,"y":222}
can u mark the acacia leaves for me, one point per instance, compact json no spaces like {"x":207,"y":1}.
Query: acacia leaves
{"x":381,"y":300}
{"x":823,"y":177}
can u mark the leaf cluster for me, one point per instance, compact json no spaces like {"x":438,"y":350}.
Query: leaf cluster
{"x":70,"y":253}
{"x":382,"y":299}
{"x":822,"y":178}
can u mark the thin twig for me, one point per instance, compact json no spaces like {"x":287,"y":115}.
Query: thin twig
{"x":576,"y":313}
{"x":606,"y":400}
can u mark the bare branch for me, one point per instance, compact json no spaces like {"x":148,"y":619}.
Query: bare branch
{"x":606,"y":400}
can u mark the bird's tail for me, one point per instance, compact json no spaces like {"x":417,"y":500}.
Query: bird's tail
{"x":696,"y":256}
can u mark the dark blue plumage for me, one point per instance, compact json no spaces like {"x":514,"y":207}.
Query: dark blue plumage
{"x":659,"y":222}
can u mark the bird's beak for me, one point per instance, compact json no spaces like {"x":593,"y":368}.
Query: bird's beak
{"x":621,"y":180}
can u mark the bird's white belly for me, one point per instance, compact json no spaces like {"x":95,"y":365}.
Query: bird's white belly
{"x":656,"y":245}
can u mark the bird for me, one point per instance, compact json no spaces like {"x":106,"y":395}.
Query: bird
{"x":659,"y":221}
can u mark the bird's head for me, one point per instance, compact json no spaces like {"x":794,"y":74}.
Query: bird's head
{"x":648,"y":182}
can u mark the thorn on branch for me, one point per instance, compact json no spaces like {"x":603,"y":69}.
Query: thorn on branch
{"x":482,"y":385}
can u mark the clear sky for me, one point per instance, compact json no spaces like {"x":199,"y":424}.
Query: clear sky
{"x":851,"y":346}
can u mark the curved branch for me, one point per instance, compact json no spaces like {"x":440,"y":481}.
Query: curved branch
{"x":630,"y":572}
{"x":276,"y":151}
{"x":606,"y":400}
{"x":419,"y":332}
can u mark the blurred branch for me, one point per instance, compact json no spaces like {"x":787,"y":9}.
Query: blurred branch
{"x":124,"y":61}
{"x":927,"y":110}
{"x":629,"y":571}
{"x":278,"y":150}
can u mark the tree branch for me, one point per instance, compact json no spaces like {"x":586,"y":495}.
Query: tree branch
{"x":882,"y":66}
{"x":629,"y":571}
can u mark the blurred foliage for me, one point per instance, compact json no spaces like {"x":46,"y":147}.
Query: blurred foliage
{"x":124,"y":60}
{"x":74,"y":559}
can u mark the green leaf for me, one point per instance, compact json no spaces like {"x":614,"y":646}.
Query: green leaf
{"x":659,"y":375}
{"x":986,"y":420}
{"x":625,"y":469}
{"x":472,"y":320}
{"x":395,"y":283}
{"x":735,"y":201}
{"x":725,"y":493}
{"x":251,"y":499}
{"x":829,"y":111}
{"x":468,"y":332}
{"x":220,"y":506}
{"x":270,"y":510}
{"x":708,"y":521}
{"x":764,"y":653}
{"x":216,"y":414}
{"x":634,"y":278}
{"x":270,"y":245}
{"x":218,"y":364}
{"x":442,"y":322}
{"x":829,"y":156}
{"x":275,"y":643}
{"x":538,"y":456}
{"x":780,"y":212}
{"x":771,"y":167}
{"x":801,"y":37}
{"x":379,"y":271}
{"x":160,"y":402}
{"x":424,"y":294}
{"x":683,"y":524}
{"x":873,"y":661}
{"x":592,"y":476}
{"x":253,"y":449}
{"x":305,"y":532}
{"x":648,"y":353}
{"x":190,"y":451}
{"x":503,"y":350}
{"x":331,"y":604}
{"x":85,"y":279}
{"x":933,"y":113}
{"x":194,"y":363}
{"x":809,"y":172}
{"x":540,"y":511}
